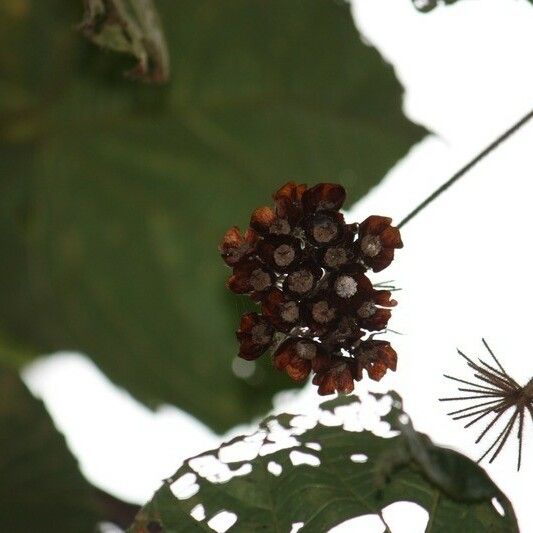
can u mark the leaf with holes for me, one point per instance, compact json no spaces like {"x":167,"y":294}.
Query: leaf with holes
{"x":114,"y":195}
{"x":322,"y":475}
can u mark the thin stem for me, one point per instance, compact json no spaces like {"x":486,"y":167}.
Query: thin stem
{"x":460,"y":173}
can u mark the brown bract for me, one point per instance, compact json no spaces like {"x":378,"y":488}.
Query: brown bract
{"x":235,"y":246}
{"x":306,"y":267}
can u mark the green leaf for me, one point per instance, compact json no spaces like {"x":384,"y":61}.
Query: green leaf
{"x":358,"y":474}
{"x":42,"y":489}
{"x":114,"y":195}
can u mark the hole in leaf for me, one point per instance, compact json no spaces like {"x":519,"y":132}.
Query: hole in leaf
{"x":369,"y":522}
{"x":222,"y":521}
{"x":300,"y":458}
{"x":498,"y":506}
{"x":313,"y":446}
{"x":359,"y":458}
{"x":406,"y":517}
{"x":215,"y":471}
{"x":296,"y":526}
{"x":279,"y":441}
{"x":238,"y":451}
{"x":274,"y":468}
{"x":185,"y":486}
{"x":198,"y":512}
{"x":303,"y":422}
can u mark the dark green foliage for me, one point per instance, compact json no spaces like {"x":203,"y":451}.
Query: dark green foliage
{"x":41,"y":488}
{"x":115,"y":194}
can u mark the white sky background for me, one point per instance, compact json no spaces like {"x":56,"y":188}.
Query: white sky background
{"x":465,"y":270}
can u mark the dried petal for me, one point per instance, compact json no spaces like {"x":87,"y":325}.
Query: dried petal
{"x":324,"y":197}
{"x":288,"y":200}
{"x":377,"y":241}
{"x":251,"y":277}
{"x":235,"y":247}
{"x":281,"y":311}
{"x":375,"y":356}
{"x":255,"y":335}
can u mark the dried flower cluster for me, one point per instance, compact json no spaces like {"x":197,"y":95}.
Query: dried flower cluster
{"x":306,"y":268}
{"x":499,"y":393}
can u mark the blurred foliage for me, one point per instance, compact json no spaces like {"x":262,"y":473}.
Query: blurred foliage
{"x":41,"y":489}
{"x":115,"y":194}
{"x":131,"y":27}
{"x":359,"y":474}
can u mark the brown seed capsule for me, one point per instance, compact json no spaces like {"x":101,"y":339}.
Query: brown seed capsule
{"x":251,"y":277}
{"x":338,"y":377}
{"x":281,"y":311}
{"x":377,"y":241}
{"x":303,"y":280}
{"x":325,"y":228}
{"x":297,"y":356}
{"x":372,"y":309}
{"x":336,"y":257}
{"x":282,"y":253}
{"x":255,"y":335}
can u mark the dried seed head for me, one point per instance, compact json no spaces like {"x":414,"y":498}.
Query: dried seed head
{"x":290,"y":312}
{"x":322,"y":312}
{"x":367,"y":310}
{"x":306,"y":268}
{"x":345,"y":286}
{"x":324,"y":230}
{"x":260,"y":280}
{"x":284,"y":255}
{"x":371,"y":245}
{"x":301,"y":281}
{"x":335,"y":257}
{"x":306,"y":350}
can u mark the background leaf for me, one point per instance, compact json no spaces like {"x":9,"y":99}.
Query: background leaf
{"x":359,"y":473}
{"x":114,"y":195}
{"x":42,"y":488}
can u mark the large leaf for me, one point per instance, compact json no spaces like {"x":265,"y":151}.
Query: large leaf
{"x":114,"y":195}
{"x":323,"y":476}
{"x":41,"y":489}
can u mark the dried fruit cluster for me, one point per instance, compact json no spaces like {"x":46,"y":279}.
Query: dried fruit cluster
{"x":306,"y":267}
